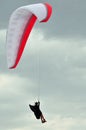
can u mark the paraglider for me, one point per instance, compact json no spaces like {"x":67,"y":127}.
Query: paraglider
{"x":37,"y":112}
{"x":21,"y":23}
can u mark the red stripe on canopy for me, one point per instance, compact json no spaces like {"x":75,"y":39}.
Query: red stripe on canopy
{"x":25,"y":36}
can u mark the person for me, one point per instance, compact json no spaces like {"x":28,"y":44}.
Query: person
{"x":37,"y":112}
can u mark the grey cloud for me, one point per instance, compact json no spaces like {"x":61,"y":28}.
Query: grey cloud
{"x":61,"y":64}
{"x":60,"y":69}
{"x":14,"y":103}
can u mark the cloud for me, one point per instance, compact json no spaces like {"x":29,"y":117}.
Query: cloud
{"x":14,"y":100}
{"x":67,"y":123}
{"x":58,"y":62}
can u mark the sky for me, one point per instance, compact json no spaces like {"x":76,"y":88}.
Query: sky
{"x":52,"y":69}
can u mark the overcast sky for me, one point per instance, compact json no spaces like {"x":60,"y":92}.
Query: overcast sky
{"x":54,"y":62}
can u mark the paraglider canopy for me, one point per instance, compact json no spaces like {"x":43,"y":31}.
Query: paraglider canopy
{"x":20,"y":25}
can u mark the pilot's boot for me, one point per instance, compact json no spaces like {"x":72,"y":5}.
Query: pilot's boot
{"x":43,"y":121}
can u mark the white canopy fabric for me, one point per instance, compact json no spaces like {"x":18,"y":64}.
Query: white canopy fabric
{"x":20,"y":26}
